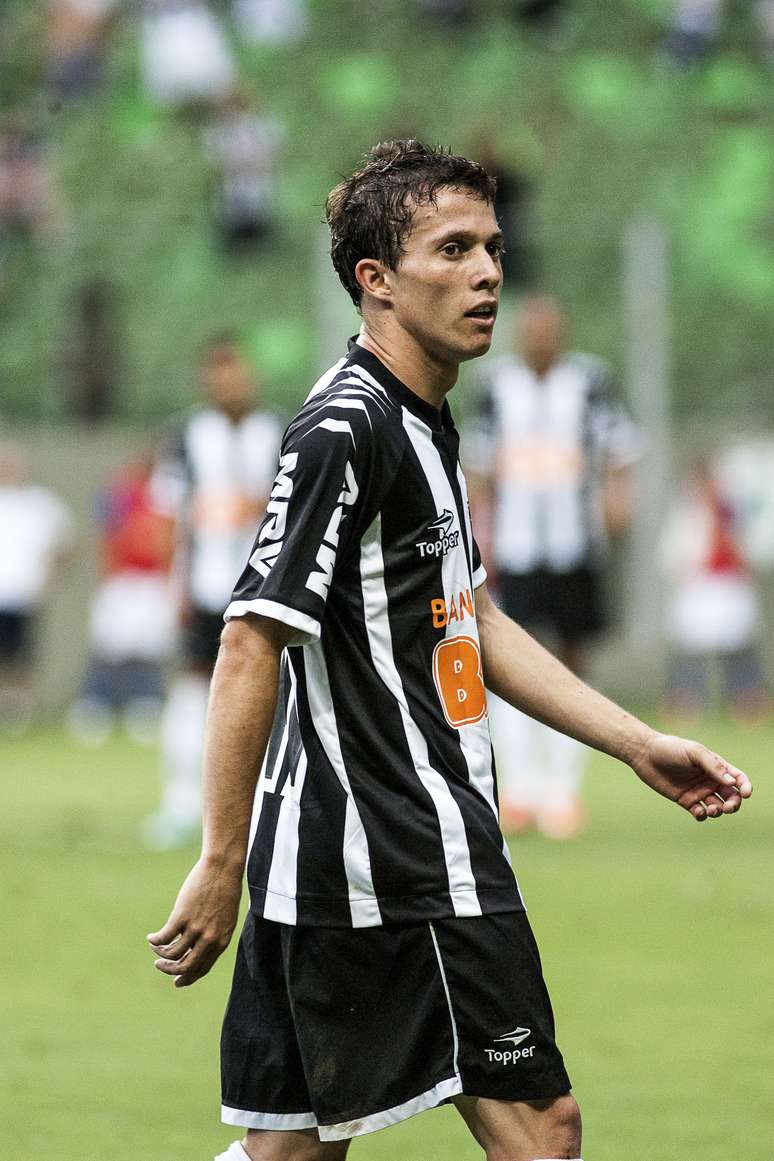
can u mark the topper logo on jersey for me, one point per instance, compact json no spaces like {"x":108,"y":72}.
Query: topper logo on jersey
{"x":319,"y":581}
{"x":509,"y":1056}
{"x":272,"y":532}
{"x":445,"y":540}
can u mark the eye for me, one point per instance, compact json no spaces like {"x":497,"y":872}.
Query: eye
{"x":496,"y":249}
{"x":452,"y":249}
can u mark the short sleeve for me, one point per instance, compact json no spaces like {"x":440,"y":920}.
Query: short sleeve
{"x":618,"y":439}
{"x":319,"y":495}
{"x":170,"y":478}
{"x":479,"y":441}
{"x":479,"y":572}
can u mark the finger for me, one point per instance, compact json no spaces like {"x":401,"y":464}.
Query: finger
{"x":713,"y":807}
{"x":169,"y":967}
{"x":190,"y":964}
{"x":194,"y":971}
{"x":721,"y":771}
{"x":190,"y":977}
{"x":177,"y":948}
{"x":698,"y":810}
{"x":169,"y":932}
{"x":732,"y":802}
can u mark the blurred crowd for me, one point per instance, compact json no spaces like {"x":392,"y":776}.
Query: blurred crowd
{"x":553,"y":457}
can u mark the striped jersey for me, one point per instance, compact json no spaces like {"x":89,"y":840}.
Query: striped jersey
{"x":547,"y":442}
{"x":377,"y":801}
{"x":214,"y":477}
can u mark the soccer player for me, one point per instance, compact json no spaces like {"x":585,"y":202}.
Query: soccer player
{"x":213,"y":481}
{"x":36,"y":539}
{"x":386,"y":964}
{"x":554,"y":451}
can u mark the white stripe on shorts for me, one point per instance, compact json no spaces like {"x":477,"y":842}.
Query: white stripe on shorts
{"x":277,"y":1121}
{"x":418,"y":1104}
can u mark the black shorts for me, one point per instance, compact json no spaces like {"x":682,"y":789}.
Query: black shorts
{"x":349,"y":1031}
{"x":15,"y":636}
{"x":570,"y":604}
{"x":201,"y":639}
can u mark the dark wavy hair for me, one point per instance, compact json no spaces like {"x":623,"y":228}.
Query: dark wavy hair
{"x":370,"y":213}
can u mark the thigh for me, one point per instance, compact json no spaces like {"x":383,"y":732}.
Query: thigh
{"x":262,"y":1075}
{"x":502,"y":1011}
{"x":372,"y":1022}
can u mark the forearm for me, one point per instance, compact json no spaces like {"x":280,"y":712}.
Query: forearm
{"x":527,"y":676}
{"x":239,"y":719}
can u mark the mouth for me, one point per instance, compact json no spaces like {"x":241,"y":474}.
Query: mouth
{"x":486,"y":313}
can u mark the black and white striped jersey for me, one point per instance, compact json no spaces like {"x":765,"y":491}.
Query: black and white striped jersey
{"x":377,"y":799}
{"x":213,"y":477}
{"x":546,"y":442}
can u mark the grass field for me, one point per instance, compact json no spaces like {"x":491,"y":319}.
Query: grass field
{"x":656,"y":936}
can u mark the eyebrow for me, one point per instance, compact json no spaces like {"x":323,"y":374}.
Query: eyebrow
{"x":466,"y":236}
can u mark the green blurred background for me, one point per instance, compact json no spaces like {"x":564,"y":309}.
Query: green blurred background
{"x":598,"y":117}
{"x":661,"y":972}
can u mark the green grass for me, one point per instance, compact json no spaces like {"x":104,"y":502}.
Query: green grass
{"x":655,"y":933}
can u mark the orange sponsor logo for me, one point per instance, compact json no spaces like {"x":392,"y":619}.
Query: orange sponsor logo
{"x":457,"y":609}
{"x":459,"y":679}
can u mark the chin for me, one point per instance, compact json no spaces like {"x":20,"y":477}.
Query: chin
{"x":478,"y":348}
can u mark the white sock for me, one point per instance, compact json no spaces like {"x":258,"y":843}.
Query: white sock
{"x":182,"y":743}
{"x":563,"y":764}
{"x":513,"y":737}
{"x":235,"y":1152}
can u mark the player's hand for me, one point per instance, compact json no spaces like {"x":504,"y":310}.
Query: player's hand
{"x":201,"y":924}
{"x":700,"y":781}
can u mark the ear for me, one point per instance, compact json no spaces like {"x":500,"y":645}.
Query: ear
{"x":374,"y":278}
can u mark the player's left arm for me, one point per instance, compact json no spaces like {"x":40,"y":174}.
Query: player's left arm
{"x":618,"y":498}
{"x":526,"y":675}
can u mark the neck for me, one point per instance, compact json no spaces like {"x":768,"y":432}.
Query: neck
{"x":426,"y":376}
{"x":540,"y":367}
{"x":237,"y":412}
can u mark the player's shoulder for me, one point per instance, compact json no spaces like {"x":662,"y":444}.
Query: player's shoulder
{"x":595,"y":372}
{"x":177,"y":429}
{"x":348,"y":404}
{"x":263,"y":423}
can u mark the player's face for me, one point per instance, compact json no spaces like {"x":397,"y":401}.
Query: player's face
{"x":540,"y":333}
{"x":446,"y":288}
{"x":227,"y":380}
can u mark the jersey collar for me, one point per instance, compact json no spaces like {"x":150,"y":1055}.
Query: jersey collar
{"x":435,"y":419}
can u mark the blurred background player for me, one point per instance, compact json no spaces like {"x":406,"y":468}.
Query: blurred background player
{"x":36,"y":533}
{"x":131,"y":617}
{"x":552,"y":453}
{"x":213,"y":482}
{"x":714,"y":608}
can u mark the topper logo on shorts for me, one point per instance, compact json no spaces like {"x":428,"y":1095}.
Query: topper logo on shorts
{"x":446,"y":538}
{"x":509,"y":1056}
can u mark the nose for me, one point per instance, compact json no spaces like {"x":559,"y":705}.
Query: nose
{"x":488,"y":273}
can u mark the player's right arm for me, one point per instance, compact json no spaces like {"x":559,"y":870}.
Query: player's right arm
{"x":243,"y":699}
{"x":319,"y":500}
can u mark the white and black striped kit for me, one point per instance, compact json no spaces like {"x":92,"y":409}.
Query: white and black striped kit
{"x":547,"y":441}
{"x":377,"y":801}
{"x":212,"y":473}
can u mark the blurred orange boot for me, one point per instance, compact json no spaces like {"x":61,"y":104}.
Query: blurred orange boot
{"x":562,"y":820}
{"x":515,"y":819}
